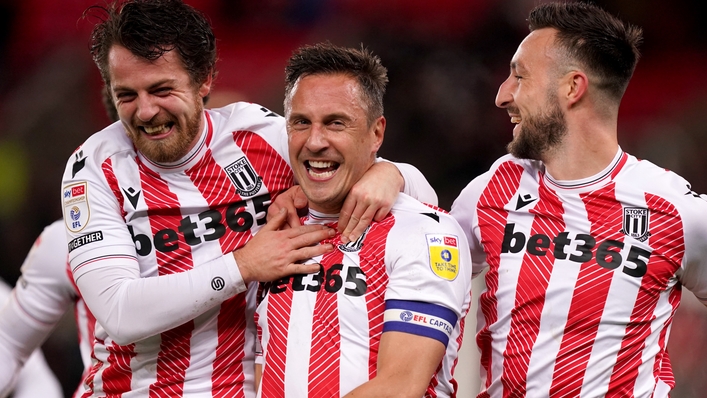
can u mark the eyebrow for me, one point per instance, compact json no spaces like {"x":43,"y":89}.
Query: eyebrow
{"x":151,"y":87}
{"x":517,"y":66}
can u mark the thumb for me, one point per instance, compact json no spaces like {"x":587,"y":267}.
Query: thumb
{"x":300,"y":199}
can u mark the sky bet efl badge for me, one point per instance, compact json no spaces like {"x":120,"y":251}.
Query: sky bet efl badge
{"x":76,"y":210}
{"x":444,"y":255}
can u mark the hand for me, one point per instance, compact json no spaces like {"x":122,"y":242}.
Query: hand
{"x":272,"y":254}
{"x":371,"y":198}
{"x":294,"y":201}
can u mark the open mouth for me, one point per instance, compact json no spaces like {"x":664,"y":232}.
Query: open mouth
{"x":156,"y":130}
{"x":320,"y":168}
{"x":515,"y":119}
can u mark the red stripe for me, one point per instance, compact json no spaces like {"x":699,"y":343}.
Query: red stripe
{"x":533,"y":279}
{"x":118,"y":375}
{"x":228,"y":377}
{"x":662,"y":368}
{"x":163,"y":209}
{"x":218,"y":191}
{"x":276,"y":173}
{"x":112,"y":180}
{"x":492,"y":219}
{"x":278,"y":317}
{"x":324,"y":365}
{"x":668,"y":246}
{"x":590,"y":293}
{"x":371,"y":262}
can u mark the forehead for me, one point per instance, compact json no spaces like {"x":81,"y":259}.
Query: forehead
{"x":126,"y":68}
{"x":536,"y":51}
{"x":333,"y":93}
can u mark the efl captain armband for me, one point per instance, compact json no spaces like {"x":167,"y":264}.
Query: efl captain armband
{"x":422,"y":319}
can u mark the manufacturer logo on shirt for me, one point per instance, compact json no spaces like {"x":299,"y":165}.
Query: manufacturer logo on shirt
{"x":76,"y":209}
{"x":244,"y":177}
{"x":635,"y":223}
{"x":444,"y":255}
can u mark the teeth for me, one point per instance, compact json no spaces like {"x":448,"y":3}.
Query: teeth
{"x":320,"y":164}
{"x":515,"y":119}
{"x":325,"y":174}
{"x":155,"y":130}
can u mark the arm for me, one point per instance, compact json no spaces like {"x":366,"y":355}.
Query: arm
{"x":37,"y":380}
{"x":372,"y":197}
{"x":402,"y":371}
{"x":39,"y":300}
{"x":131,"y":308}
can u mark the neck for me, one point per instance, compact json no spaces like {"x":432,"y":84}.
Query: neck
{"x":588,"y":148}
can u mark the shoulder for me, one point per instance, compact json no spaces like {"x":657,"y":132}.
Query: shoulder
{"x":506,"y":171}
{"x":99,"y":147}
{"x":106,"y":142}
{"x":412,"y":215}
{"x":663,"y":185}
{"x":244,"y":116}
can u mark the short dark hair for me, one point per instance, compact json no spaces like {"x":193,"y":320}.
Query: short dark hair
{"x":327,"y":58}
{"x":149,"y":29}
{"x":599,"y":41}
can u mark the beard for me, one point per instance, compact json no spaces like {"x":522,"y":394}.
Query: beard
{"x":175,"y":146}
{"x":539,"y":134}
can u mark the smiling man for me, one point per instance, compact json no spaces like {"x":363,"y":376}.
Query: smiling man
{"x":165,"y":212}
{"x":587,"y":247}
{"x":383,"y":315}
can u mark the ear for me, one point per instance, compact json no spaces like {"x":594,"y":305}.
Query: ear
{"x":576,"y":87}
{"x":378,"y":133}
{"x":205,"y":87}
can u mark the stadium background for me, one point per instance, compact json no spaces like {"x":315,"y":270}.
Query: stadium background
{"x":445,"y":58}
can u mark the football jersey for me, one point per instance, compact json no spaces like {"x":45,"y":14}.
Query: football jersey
{"x":410,"y":272}
{"x":124,"y":211}
{"x":584,"y":277}
{"x":42,"y":295}
{"x":129,"y":219}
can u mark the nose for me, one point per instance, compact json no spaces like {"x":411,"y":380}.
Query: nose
{"x":146,"y":108}
{"x":504,"y":96}
{"x":317,"y":139}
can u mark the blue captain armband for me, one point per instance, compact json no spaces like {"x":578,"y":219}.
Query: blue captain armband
{"x":422,"y":319}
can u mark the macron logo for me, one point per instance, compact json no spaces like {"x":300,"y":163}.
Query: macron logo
{"x":524,"y":200}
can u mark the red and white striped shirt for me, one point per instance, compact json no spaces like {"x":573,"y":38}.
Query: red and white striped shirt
{"x":584,"y":277}
{"x":410,"y":272}
{"x":190,"y":332}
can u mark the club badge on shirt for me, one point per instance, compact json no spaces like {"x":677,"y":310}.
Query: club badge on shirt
{"x":76,"y":209}
{"x":444,"y":255}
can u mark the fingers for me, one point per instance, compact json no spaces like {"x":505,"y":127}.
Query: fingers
{"x":347,"y":210}
{"x":298,"y":268}
{"x":308,"y":235}
{"x":359,"y":228}
{"x":276,"y":221}
{"x":291,"y":200}
{"x":300,"y":199}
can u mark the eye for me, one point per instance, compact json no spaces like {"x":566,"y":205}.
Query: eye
{"x":125,"y":96}
{"x":518,"y":77}
{"x":336,"y":125}
{"x":162,"y":91}
{"x":299,"y":124}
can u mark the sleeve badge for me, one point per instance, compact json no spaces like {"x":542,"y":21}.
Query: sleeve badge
{"x":76,"y":210}
{"x":444,"y":255}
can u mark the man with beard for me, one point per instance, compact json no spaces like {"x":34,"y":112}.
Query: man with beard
{"x":587,"y":247}
{"x":162,"y":209}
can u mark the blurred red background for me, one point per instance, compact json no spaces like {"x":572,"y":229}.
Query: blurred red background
{"x":446,"y":59}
